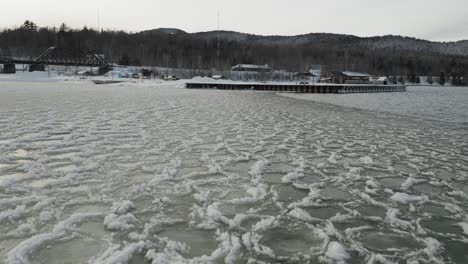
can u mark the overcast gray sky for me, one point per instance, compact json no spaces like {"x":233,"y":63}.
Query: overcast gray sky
{"x":441,"y":20}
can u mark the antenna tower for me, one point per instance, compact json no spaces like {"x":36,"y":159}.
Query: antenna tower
{"x":218,"y":52}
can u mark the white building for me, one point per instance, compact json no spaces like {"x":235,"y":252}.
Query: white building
{"x":317,"y":71}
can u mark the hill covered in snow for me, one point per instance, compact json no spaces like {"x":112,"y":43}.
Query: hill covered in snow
{"x":387,"y":42}
{"x":175,"y":48}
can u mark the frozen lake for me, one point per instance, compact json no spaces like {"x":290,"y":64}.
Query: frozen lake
{"x":161,"y":174}
{"x":445,"y":104}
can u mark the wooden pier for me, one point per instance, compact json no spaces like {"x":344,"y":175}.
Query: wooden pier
{"x":299,"y":88}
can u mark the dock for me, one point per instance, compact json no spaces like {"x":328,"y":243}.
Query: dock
{"x":298,"y":88}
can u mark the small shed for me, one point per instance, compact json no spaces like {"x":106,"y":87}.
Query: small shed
{"x":9,"y":68}
{"x":380,"y":80}
{"x":305,"y":76}
{"x":36,"y":67}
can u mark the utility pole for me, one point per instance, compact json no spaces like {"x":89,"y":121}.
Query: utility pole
{"x":346,"y":60}
{"x":218,"y":52}
{"x":98,"y":21}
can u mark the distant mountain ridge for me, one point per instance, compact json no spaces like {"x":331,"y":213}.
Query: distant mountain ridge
{"x":175,"y":48}
{"x":386,"y":42}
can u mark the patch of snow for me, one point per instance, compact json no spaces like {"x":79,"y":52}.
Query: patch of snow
{"x":410,"y":182}
{"x":265,"y":224}
{"x":392,"y":219}
{"x":337,"y":252}
{"x":464,"y":226}
{"x":116,"y":222}
{"x":302,"y":215}
{"x":292,"y":176}
{"x":405,"y":198}
{"x":122,"y":207}
{"x":116,"y":255}
{"x":21,"y":253}
{"x":366,"y":160}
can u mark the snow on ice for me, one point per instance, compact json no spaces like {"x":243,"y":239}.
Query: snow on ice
{"x":136,"y":172}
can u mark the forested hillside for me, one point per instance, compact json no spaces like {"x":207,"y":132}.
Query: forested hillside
{"x":387,"y":55}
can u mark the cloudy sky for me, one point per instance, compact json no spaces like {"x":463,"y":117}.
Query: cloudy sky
{"x":441,"y":20}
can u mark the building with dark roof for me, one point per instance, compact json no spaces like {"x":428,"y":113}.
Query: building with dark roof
{"x":251,"y":68}
{"x":347,"y":77}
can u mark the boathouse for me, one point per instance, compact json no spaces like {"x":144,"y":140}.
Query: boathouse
{"x":347,"y":77}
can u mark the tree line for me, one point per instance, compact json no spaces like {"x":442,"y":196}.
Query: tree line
{"x":191,"y":51}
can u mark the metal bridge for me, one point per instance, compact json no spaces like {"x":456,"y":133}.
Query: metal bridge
{"x":55,"y":56}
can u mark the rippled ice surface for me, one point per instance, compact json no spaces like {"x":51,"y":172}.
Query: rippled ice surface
{"x":116,"y":174}
{"x":445,"y":104}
